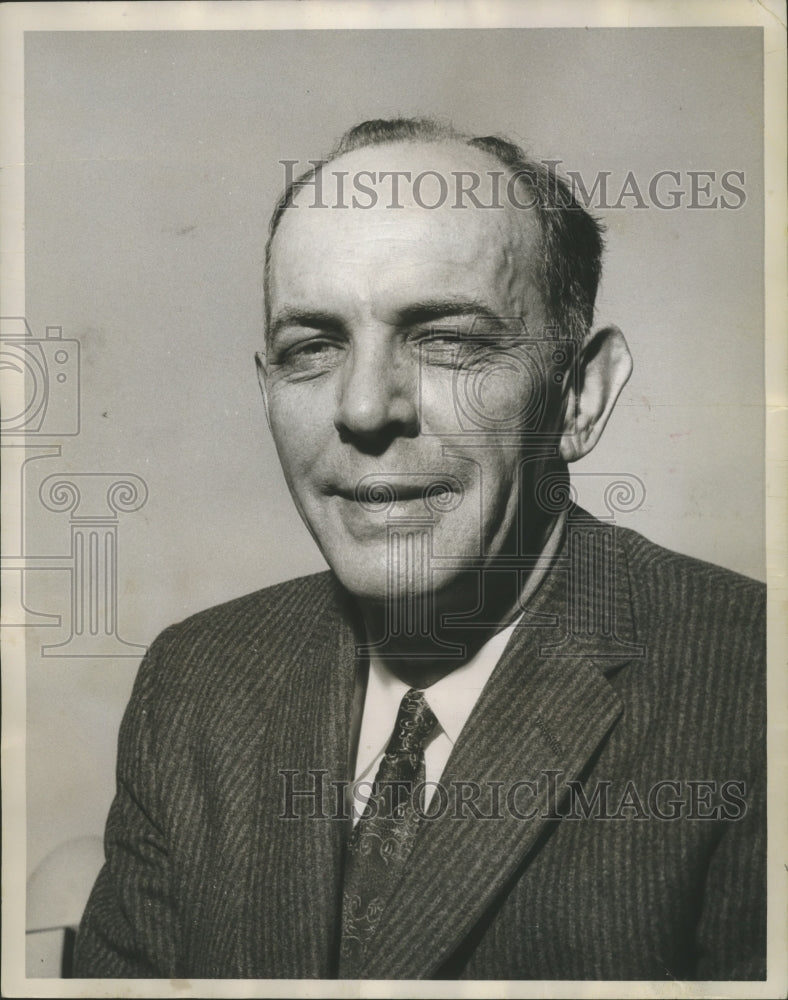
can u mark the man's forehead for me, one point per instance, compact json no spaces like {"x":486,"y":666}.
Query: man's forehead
{"x":439,"y":192}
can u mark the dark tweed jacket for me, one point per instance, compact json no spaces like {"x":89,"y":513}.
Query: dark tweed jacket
{"x":204,"y":878}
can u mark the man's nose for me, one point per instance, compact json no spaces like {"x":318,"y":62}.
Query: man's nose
{"x":377,"y":397}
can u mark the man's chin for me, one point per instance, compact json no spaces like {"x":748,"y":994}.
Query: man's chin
{"x":374,"y":583}
{"x":367,"y":584}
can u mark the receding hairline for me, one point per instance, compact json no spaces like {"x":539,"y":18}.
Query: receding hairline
{"x":457,"y":142}
{"x":527,"y":224}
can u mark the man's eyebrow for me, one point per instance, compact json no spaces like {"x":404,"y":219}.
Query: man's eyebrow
{"x":312,"y":318}
{"x":432,"y":310}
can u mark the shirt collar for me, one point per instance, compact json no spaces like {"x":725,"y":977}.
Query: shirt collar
{"x":453,"y":697}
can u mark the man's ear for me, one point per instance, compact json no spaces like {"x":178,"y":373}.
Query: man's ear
{"x":262,"y":372}
{"x":604,"y":365}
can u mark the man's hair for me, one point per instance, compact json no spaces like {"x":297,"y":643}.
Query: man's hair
{"x":571,"y":238}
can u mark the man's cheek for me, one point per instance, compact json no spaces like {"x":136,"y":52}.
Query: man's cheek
{"x":432,"y":387}
{"x":293,"y":418}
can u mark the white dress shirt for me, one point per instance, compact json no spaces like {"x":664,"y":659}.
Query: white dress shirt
{"x":451,"y":699}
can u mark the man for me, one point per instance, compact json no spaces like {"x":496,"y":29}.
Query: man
{"x":500,"y":739}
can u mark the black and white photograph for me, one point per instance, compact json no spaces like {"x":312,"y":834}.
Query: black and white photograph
{"x":394,"y":549}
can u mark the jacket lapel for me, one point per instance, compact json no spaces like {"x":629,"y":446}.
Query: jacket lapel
{"x":544,"y":711}
{"x":296,"y":864}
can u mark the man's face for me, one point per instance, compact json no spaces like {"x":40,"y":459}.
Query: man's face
{"x":386,"y":363}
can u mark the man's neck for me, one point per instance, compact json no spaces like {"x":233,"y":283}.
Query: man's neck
{"x":448,"y":626}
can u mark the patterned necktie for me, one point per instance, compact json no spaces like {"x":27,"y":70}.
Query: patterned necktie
{"x":383,"y":837}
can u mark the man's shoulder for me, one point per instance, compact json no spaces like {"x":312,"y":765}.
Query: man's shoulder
{"x":216,"y":676}
{"x":245,"y":633}
{"x":282,"y":603}
{"x":646,"y":558}
{"x":701,"y":664}
{"x":665,"y":584}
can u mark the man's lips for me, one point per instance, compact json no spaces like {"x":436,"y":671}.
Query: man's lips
{"x":387,"y":494}
{"x":377,"y":491}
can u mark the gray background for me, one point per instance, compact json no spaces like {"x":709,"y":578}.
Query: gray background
{"x":152,"y":166}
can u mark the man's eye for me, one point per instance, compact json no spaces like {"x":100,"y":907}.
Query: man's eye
{"x":309,"y":356}
{"x":453,"y":349}
{"x":313,"y":348}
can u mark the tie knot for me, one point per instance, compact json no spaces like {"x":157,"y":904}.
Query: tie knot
{"x":415,"y":722}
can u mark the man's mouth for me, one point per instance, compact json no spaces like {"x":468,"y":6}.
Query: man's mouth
{"x":380,"y":490}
